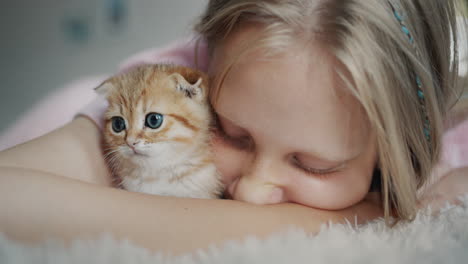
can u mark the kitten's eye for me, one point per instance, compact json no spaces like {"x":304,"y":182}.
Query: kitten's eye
{"x":154,"y":120}
{"x":118,"y":124}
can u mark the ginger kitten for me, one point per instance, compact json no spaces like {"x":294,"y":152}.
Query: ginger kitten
{"x":157,"y":131}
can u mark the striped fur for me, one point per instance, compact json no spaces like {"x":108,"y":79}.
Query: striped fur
{"x":175,"y":159}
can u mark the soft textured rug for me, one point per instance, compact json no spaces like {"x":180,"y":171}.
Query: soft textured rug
{"x":428,"y":239}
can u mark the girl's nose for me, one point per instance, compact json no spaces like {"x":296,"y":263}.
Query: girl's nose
{"x":258,"y":193}
{"x":259,"y":185}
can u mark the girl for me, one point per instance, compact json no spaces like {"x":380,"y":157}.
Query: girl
{"x":321,"y":106}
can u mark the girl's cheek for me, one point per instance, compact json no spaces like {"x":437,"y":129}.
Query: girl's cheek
{"x":228,"y":160}
{"x":336,"y":192}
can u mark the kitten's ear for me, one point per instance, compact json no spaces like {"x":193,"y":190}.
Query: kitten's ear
{"x":104,"y":88}
{"x":190,"y":90}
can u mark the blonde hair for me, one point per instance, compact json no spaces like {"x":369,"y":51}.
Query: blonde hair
{"x":380,"y":67}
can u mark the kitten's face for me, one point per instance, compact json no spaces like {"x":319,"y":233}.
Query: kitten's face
{"x":155,"y":115}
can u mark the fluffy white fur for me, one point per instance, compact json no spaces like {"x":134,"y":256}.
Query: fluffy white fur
{"x":428,"y":239}
{"x":203,"y":183}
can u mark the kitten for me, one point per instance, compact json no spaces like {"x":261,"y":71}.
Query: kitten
{"x":157,"y":131}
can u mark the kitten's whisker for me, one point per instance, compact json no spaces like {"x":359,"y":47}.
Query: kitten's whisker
{"x":112,"y":162}
{"x":107,"y":148}
{"x":107,"y":151}
{"x":109,"y":156}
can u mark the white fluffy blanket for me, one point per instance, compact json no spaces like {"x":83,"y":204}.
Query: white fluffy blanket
{"x":428,"y":239}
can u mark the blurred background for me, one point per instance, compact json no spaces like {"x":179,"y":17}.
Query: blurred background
{"x":46,"y":44}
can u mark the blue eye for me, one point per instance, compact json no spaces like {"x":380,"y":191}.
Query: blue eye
{"x":118,"y":124}
{"x":154,"y":120}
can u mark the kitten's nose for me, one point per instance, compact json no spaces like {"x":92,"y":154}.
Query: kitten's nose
{"x":132,"y":143}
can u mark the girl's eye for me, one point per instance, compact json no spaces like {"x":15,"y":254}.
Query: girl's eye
{"x":118,"y":124}
{"x":312,"y":171}
{"x":154,"y":120}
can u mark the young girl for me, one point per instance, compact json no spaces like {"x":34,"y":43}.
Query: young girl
{"x":321,"y":105}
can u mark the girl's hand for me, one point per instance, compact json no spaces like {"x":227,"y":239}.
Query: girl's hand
{"x":447,"y":190}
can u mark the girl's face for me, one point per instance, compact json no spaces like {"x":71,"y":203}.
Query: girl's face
{"x":287,"y":131}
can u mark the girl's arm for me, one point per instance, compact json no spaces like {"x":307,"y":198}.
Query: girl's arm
{"x":449,"y":189}
{"x":37,"y":205}
{"x":37,"y":202}
{"x":72,"y":151}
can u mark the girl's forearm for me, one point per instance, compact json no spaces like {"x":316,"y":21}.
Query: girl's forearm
{"x":72,"y":151}
{"x":36,"y":206}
